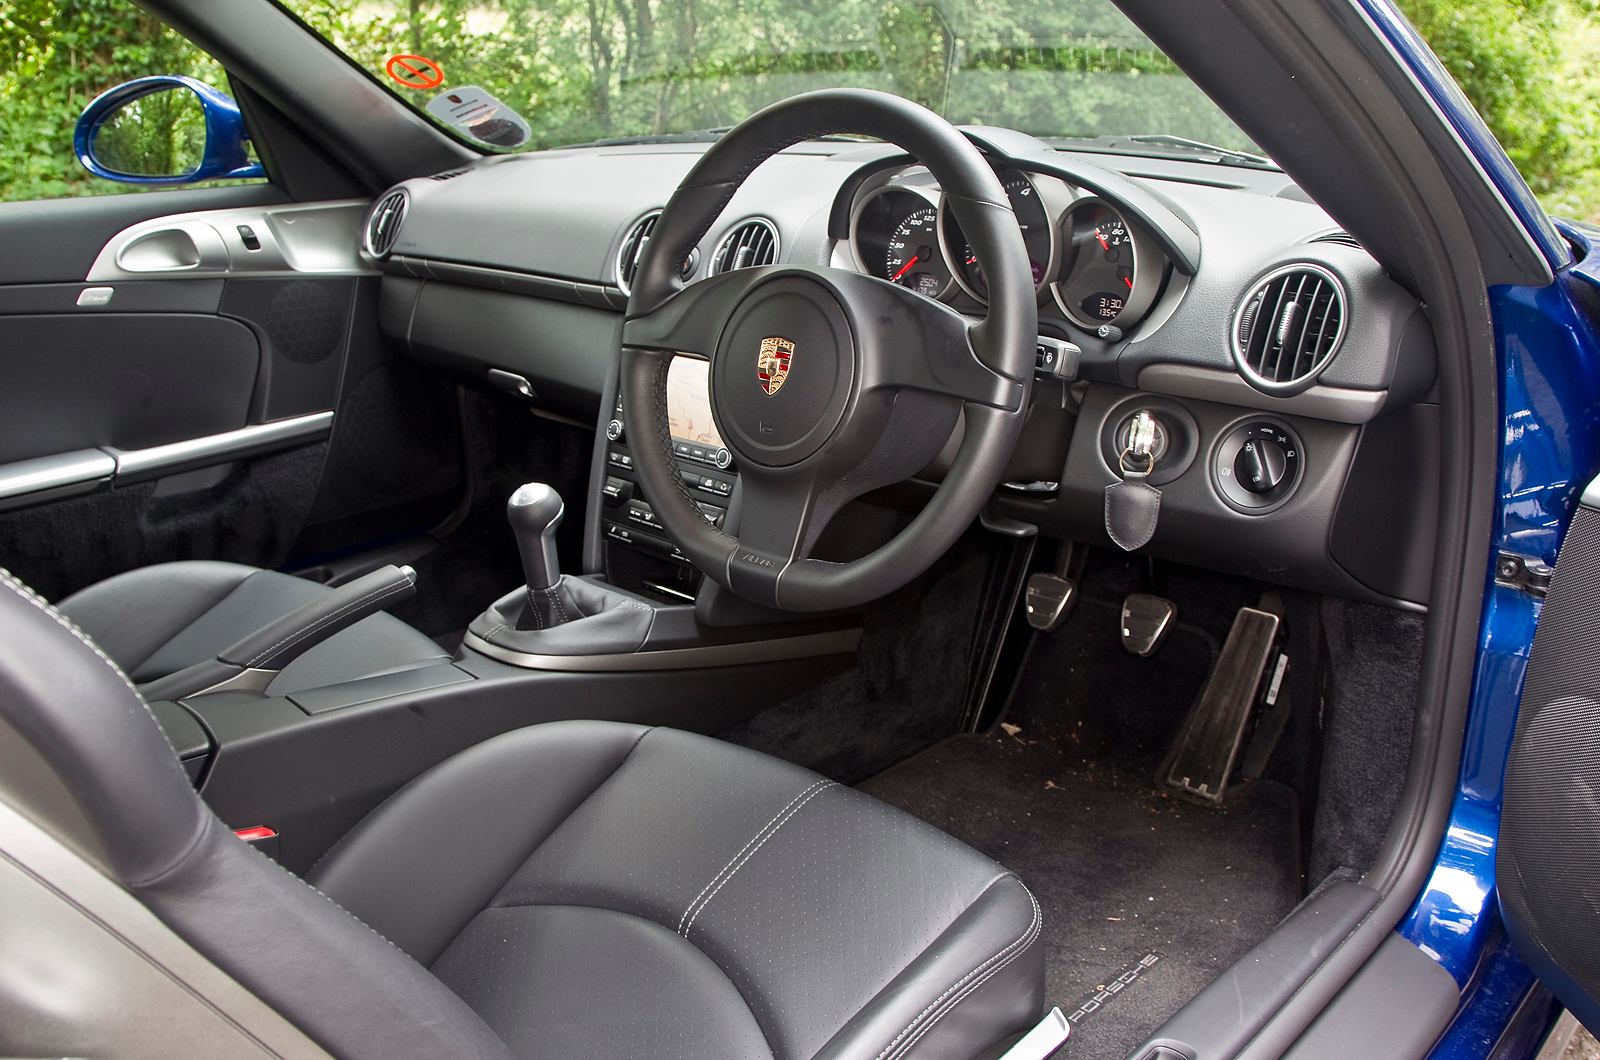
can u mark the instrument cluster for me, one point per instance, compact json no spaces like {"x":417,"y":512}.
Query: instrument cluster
{"x":1095,"y":266}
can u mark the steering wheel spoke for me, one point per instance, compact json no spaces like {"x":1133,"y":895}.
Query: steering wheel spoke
{"x":775,"y":516}
{"x":691,"y":320}
{"x":909,"y":342}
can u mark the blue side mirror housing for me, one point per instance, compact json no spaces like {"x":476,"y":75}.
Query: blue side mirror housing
{"x":225,"y":153}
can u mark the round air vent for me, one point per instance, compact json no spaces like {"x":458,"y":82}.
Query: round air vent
{"x":631,"y":253}
{"x":383,"y":226}
{"x":747,"y":245}
{"x":1288,"y":328}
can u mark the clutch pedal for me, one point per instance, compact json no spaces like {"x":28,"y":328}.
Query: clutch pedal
{"x":1146,"y":621}
{"x":1210,"y":742}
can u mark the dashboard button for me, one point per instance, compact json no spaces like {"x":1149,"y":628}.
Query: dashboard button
{"x":614,"y":430}
{"x":722,"y":458}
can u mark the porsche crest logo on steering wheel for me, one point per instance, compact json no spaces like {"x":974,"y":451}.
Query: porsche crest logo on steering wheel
{"x":772,"y":363}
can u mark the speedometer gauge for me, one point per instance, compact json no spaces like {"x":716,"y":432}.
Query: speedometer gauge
{"x":1104,"y":281}
{"x":913,"y":259}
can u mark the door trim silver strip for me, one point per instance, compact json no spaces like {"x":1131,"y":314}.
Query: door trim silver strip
{"x":88,"y":468}
{"x":83,"y":467}
{"x":212,"y":448}
{"x":777,"y":649}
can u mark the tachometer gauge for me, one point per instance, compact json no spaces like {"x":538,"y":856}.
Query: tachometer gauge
{"x":914,"y":260}
{"x":1036,"y":236}
{"x":1107,"y":278}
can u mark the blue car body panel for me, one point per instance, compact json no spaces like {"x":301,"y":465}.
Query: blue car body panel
{"x":1548,"y":352}
{"x":1550,"y":448}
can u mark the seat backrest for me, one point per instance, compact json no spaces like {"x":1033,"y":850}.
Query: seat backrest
{"x":82,"y":756}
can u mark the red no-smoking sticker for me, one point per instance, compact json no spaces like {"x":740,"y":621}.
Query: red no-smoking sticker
{"x":413,"y":71}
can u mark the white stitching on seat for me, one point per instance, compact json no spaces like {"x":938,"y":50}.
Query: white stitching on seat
{"x":67,"y":624}
{"x":946,"y":1003}
{"x":745,"y":853}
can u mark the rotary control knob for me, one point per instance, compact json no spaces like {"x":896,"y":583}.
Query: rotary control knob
{"x":614,"y":430}
{"x":1260,"y":465}
{"x":1257,"y":465}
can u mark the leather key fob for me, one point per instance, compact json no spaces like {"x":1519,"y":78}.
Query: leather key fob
{"x":1132,"y":508}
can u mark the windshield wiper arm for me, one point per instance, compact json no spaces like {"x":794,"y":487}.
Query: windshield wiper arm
{"x":1224,"y":153}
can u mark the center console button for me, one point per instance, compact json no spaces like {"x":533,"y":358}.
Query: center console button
{"x":722,"y":458}
{"x":614,"y":430}
{"x":617,"y":491}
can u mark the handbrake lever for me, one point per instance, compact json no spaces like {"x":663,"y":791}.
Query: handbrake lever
{"x":253,"y":662}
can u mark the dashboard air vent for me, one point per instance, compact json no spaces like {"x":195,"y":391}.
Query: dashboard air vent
{"x":1288,"y":328}
{"x":1344,"y":239}
{"x":449,"y":174}
{"x":747,"y":245}
{"x":632,"y":250}
{"x":383,"y":227}
{"x":631,"y":253}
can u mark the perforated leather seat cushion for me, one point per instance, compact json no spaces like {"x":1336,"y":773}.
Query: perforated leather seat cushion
{"x":601,"y":890}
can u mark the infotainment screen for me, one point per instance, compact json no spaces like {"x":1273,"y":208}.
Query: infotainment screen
{"x":689,"y":401}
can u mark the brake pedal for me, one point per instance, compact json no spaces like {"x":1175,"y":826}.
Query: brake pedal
{"x":1146,"y":621}
{"x":1210,"y":742}
{"x":1050,"y":598}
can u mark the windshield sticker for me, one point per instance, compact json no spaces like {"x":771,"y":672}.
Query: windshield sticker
{"x":482,"y":117}
{"x":413,"y":71}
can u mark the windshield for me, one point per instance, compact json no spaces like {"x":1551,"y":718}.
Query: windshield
{"x":521,"y":74}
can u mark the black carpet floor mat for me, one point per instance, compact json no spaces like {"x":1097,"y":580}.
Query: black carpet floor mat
{"x":1133,"y":885}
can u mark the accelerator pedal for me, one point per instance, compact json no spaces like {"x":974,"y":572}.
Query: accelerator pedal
{"x":1210,"y":742}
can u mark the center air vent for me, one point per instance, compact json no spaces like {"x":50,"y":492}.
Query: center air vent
{"x":631,"y":254}
{"x":632,"y":250}
{"x":1288,"y":328}
{"x":383,"y":227}
{"x":747,"y":245}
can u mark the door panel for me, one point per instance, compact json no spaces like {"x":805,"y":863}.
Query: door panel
{"x":126,"y":380}
{"x":1548,"y":861}
{"x":198,"y":415}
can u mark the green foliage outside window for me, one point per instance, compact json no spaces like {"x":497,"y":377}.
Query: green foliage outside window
{"x":580,"y":70}
{"x":57,"y":55}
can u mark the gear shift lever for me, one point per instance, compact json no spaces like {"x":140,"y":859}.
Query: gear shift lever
{"x":535,"y":511}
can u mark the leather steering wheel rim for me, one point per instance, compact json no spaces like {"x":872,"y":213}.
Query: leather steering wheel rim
{"x":866,"y":395}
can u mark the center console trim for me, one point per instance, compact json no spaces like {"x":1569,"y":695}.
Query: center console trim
{"x":774,"y":649}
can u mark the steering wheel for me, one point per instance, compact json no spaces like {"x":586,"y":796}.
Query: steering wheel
{"x":826,"y":383}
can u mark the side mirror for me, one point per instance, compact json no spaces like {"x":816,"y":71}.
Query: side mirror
{"x":165,"y":129}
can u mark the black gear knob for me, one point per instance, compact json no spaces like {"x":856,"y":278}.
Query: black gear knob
{"x":535,"y":511}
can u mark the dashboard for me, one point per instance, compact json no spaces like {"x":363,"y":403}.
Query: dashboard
{"x":1290,"y":378}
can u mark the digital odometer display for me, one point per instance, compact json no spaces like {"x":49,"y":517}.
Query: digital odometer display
{"x":1100,"y":271}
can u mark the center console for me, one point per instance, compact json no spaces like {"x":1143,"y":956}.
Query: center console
{"x":638,"y":554}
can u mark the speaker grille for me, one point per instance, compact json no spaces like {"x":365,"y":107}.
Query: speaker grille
{"x":1548,"y":861}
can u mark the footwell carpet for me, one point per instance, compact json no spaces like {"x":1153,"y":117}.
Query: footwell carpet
{"x":1145,"y":898}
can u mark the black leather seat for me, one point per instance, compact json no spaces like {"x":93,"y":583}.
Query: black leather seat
{"x":157,"y":620}
{"x":571,"y":890}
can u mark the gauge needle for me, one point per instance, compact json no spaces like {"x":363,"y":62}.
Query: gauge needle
{"x":1128,"y":281}
{"x":1102,"y":240}
{"x":906,"y":267}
